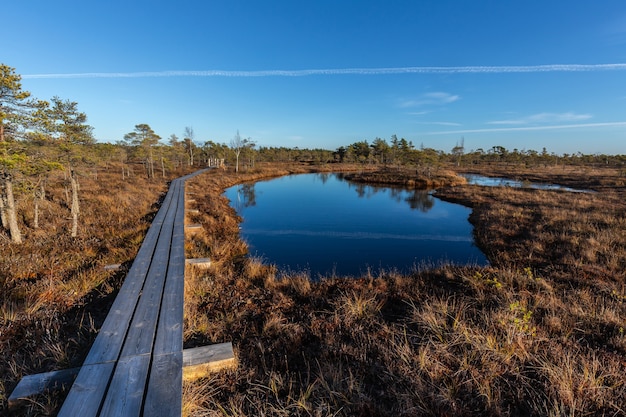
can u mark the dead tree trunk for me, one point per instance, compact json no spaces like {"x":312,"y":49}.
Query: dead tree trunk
{"x":75,"y":209}
{"x":38,"y":197}
{"x":36,"y":213}
{"x":9,"y":207}
{"x":3,"y":208}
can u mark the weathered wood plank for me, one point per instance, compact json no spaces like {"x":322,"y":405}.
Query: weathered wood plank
{"x":169,"y":337}
{"x":164,"y":396}
{"x":200,"y":361}
{"x":85,"y":397}
{"x":125,"y":394}
{"x":199,"y":262}
{"x":32,"y":385}
{"x":140,"y":336}
{"x":195,"y":227}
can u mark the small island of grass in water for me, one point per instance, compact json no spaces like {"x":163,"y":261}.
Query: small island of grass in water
{"x":420,"y":178}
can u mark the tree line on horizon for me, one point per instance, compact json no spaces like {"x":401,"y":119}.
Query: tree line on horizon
{"x":39,"y":138}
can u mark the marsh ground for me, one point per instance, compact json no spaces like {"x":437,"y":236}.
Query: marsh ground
{"x":538,"y":332}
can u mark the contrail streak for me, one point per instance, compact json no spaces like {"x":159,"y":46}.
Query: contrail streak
{"x":529,"y":128}
{"x":345,"y":71}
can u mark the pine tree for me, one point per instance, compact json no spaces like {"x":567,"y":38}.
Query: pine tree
{"x":15,"y":108}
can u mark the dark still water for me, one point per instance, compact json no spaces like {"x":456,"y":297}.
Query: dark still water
{"x":328,"y":226}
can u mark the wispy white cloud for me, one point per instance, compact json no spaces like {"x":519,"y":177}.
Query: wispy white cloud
{"x":343,"y":71}
{"x":544,"y":118}
{"x":436,"y":98}
{"x":527,"y":128}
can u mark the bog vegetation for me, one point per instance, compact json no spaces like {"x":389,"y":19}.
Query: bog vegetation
{"x":540,"y":331}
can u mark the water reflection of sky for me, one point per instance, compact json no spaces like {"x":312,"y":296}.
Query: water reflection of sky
{"x":323,"y":224}
{"x":475,"y":179}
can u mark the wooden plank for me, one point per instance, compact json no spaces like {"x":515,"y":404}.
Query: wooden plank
{"x":200,"y":361}
{"x":85,"y":397}
{"x":193,"y":228}
{"x":32,"y":385}
{"x":169,"y":337}
{"x":125,"y":394}
{"x":140,"y":337}
{"x":164,"y":396}
{"x":199,"y":262}
{"x":208,"y":353}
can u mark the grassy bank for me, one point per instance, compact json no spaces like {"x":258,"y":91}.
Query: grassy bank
{"x":538,"y":332}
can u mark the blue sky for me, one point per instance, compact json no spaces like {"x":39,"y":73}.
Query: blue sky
{"x":326,"y":73}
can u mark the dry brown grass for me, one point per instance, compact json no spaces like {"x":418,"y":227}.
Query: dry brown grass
{"x":409,"y":177}
{"x":539,"y":332}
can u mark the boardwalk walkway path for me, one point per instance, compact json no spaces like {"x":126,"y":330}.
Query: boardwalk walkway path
{"x":134,"y":367}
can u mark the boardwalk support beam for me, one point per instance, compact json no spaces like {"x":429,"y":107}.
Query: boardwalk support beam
{"x":197,"y":362}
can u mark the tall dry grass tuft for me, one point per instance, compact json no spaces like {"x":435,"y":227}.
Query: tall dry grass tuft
{"x":358,"y":307}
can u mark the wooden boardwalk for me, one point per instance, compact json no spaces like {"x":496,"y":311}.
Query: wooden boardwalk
{"x":135,"y":366}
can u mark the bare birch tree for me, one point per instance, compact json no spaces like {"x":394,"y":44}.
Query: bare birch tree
{"x":188,"y":141}
{"x":237,"y":144}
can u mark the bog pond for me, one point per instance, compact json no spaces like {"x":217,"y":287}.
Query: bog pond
{"x":474,"y":179}
{"x":328,"y":226}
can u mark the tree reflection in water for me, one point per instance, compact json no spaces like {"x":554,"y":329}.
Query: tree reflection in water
{"x":246,"y":196}
{"x":420,"y":200}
